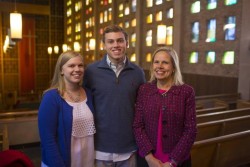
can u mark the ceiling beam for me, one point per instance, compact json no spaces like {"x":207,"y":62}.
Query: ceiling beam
{"x":25,"y":8}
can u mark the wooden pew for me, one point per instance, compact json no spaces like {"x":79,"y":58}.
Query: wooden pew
{"x":227,"y":96}
{"x":211,"y":105}
{"x":222,"y":127}
{"x":208,"y":103}
{"x":243,"y":104}
{"x":198,"y":106}
{"x":230,"y":99}
{"x":16,"y":115}
{"x":4,"y":142}
{"x":21,"y":126}
{"x":211,"y":110}
{"x":222,"y":115}
{"x":224,"y":151}
{"x":21,"y":130}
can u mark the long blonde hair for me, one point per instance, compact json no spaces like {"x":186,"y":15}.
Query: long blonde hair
{"x":177,"y":77}
{"x":57,"y":80}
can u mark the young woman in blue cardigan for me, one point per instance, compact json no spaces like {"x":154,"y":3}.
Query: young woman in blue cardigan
{"x":65,"y":118}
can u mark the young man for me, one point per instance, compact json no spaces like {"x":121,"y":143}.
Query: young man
{"x":114,"y":82}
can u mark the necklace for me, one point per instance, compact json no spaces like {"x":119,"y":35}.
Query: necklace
{"x":164,"y":93}
{"x":164,"y":86}
{"x":74,"y":99}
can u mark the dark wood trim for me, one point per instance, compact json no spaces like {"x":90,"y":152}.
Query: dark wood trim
{"x":25,"y":8}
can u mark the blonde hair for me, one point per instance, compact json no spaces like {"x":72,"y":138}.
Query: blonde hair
{"x":57,"y":80}
{"x":177,"y":77}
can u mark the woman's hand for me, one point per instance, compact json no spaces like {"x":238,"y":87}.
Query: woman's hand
{"x":152,"y":161}
{"x":167,"y":164}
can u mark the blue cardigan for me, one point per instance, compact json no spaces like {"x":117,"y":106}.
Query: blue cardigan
{"x":55,"y":128}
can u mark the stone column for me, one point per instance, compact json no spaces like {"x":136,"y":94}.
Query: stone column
{"x":244,"y":57}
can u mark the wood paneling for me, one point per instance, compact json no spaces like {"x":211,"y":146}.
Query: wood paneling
{"x":25,"y":8}
{"x":208,"y":85}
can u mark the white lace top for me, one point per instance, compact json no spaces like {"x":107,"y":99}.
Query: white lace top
{"x":83,"y":120}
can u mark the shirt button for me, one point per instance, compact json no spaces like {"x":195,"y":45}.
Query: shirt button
{"x":164,"y":108}
{"x":164,"y":122}
{"x":165,"y":136}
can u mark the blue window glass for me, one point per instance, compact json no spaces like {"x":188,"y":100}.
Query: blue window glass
{"x":210,"y":57}
{"x":229,"y":28}
{"x":230,"y":2}
{"x":211,"y":31}
{"x":195,"y":32}
{"x":211,"y":4}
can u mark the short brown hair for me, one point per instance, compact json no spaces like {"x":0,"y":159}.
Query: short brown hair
{"x":114,"y":28}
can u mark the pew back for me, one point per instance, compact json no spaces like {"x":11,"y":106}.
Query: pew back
{"x":230,"y":99}
{"x":20,"y":114}
{"x":4,"y":138}
{"x":243,"y":104}
{"x":222,"y":115}
{"x":211,"y":110}
{"x":228,"y":150}
{"x":222,"y":127}
{"x":21,"y":130}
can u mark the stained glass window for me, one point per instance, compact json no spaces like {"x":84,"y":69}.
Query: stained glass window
{"x":105,"y":16}
{"x":211,"y":4}
{"x":110,"y":14}
{"x":195,"y":32}
{"x":193,"y":57}
{"x":169,"y":40}
{"x":150,"y":18}
{"x":101,"y":18}
{"x":211,"y":30}
{"x":149,"y":38}
{"x":196,"y":7}
{"x":133,"y":23}
{"x":78,"y":6}
{"x":210,"y":57}
{"x":228,"y":57}
{"x":158,"y":2}
{"x":159,"y":16}
{"x":149,"y":3}
{"x":120,"y":10}
{"x":78,"y":27}
{"x":69,"y":12}
{"x":170,"y":13}
{"x":230,"y":2}
{"x":133,"y":39}
{"x":229,"y":28}
{"x":133,"y":57}
{"x":126,"y":24}
{"x":148,"y":57}
{"x":133,"y":5}
{"x":101,"y":45}
{"x":127,"y":10}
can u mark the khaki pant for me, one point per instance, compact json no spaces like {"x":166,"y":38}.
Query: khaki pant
{"x":131,"y":162}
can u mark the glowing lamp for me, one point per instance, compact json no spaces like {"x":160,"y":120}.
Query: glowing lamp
{"x":56,"y":49}
{"x":50,"y":50}
{"x":15,"y":26}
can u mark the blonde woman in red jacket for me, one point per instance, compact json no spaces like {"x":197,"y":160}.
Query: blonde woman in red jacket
{"x":165,"y":120}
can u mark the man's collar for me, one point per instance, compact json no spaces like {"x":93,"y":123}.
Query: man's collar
{"x":109,"y":62}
